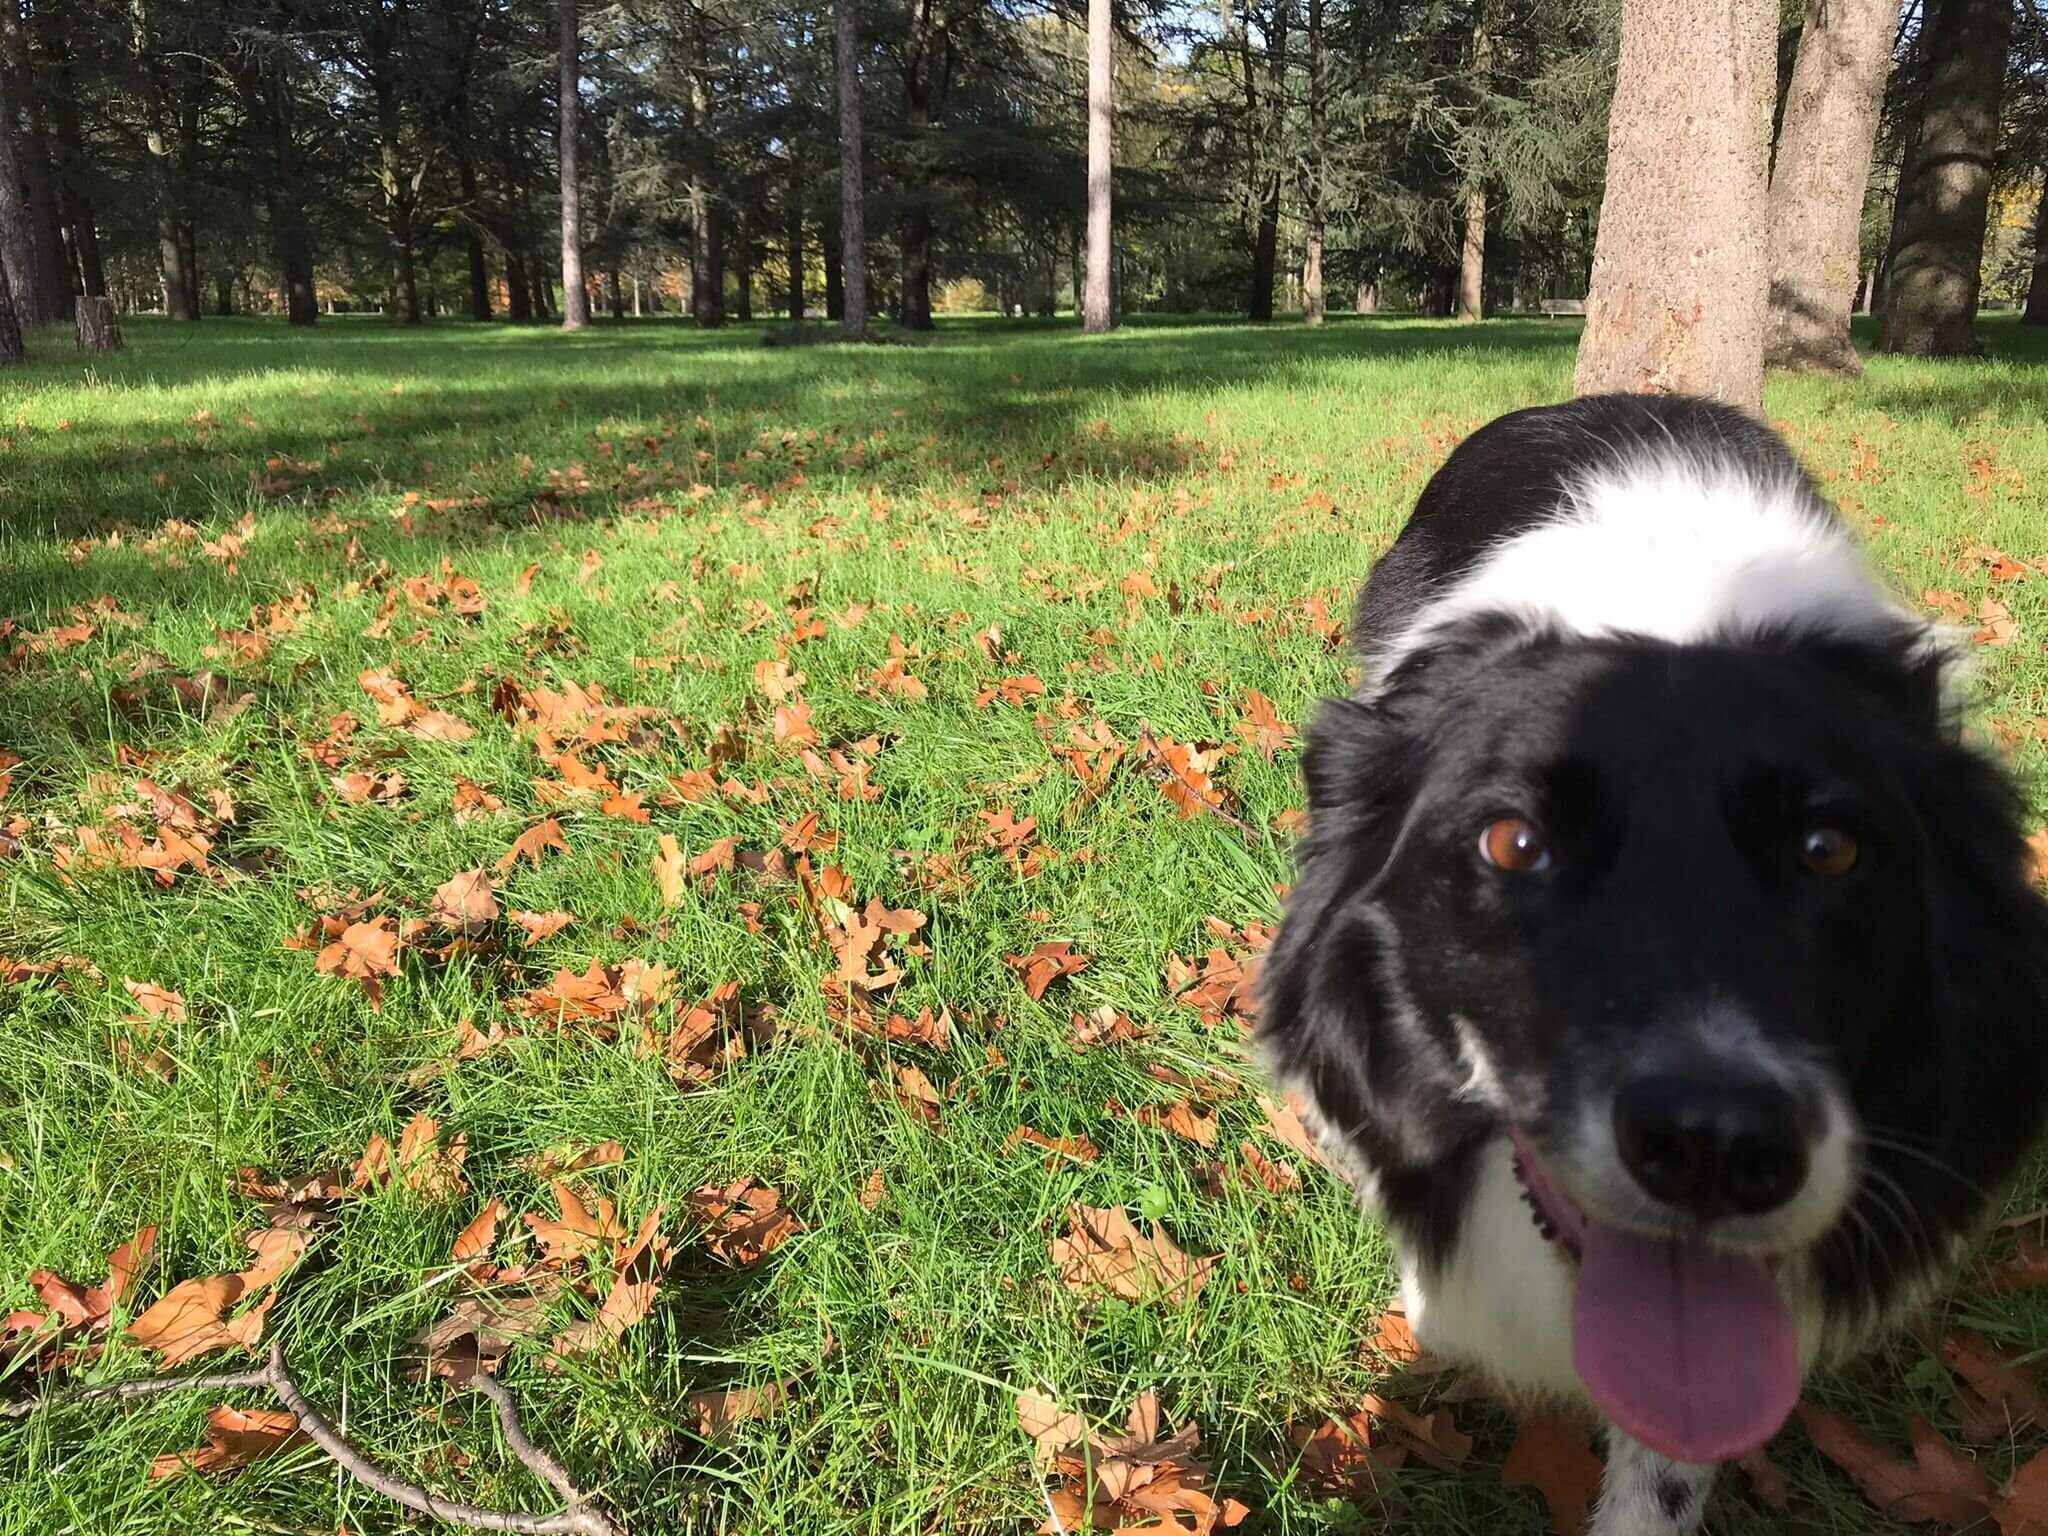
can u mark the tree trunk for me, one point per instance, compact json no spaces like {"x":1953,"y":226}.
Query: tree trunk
{"x":1471,"y":300}
{"x":743,"y":288}
{"x":1816,"y":198}
{"x":99,"y":326}
{"x":17,"y":235}
{"x":518,"y":291}
{"x":1676,"y":304}
{"x":11,"y":349}
{"x":473,"y":241}
{"x":162,"y":176}
{"x":1097,"y":318}
{"x":575,"y":297}
{"x":191,"y":91}
{"x":853,"y":228}
{"x":21,"y":108}
{"x":1266,"y":243}
{"x":793,"y":239}
{"x":835,"y":280}
{"x":295,"y":261}
{"x":914,"y":239}
{"x":2036,"y":312}
{"x":1366,"y":301}
{"x":614,"y":293}
{"x":75,"y":201}
{"x":223,"y":292}
{"x":1312,"y":300}
{"x":707,"y":284}
{"x":1930,"y":298}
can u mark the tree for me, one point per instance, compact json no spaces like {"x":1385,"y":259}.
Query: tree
{"x":1677,"y":301}
{"x":1100,"y":140}
{"x":575,"y":296}
{"x":11,"y":349}
{"x":1312,"y":302}
{"x":853,"y":236}
{"x":1825,"y":147}
{"x":1930,"y":293}
{"x":2036,"y":312}
{"x":21,"y":110}
{"x":1472,"y":248}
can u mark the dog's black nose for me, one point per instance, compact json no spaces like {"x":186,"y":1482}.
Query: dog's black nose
{"x":1712,"y":1149}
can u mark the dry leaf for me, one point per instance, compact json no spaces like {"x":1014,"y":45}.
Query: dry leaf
{"x":1939,"y":1483}
{"x":1051,"y":1429}
{"x":1103,"y":1251}
{"x":1046,"y":964}
{"x":532,"y":844}
{"x":717,"y":1412}
{"x":465,"y":903}
{"x":669,"y":866}
{"x":235,"y":1437}
{"x":1553,"y":1454}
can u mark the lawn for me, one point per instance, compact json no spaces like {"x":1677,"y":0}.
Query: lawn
{"x":976,"y":630}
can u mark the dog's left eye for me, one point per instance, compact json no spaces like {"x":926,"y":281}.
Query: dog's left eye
{"x":1828,"y":851}
{"x":1515,"y":846}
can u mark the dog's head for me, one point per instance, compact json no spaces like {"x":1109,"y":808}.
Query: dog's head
{"x":1733,"y":939}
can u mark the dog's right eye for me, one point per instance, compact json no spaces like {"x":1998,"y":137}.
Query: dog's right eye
{"x":1515,"y":846}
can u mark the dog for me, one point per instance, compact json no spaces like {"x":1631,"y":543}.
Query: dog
{"x":1662,"y":964}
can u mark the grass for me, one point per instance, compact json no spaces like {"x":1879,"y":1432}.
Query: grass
{"x":1142,"y":518}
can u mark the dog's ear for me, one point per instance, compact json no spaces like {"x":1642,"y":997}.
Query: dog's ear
{"x":1334,"y":1016}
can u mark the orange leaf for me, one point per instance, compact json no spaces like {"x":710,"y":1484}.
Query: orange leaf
{"x":533,"y":843}
{"x":235,"y":1437}
{"x":1939,"y":1483}
{"x":1553,"y":1453}
{"x":669,"y":868}
{"x":465,"y":903}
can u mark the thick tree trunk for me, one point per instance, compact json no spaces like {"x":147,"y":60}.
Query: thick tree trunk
{"x":473,"y":241}
{"x":2036,"y":312}
{"x":1471,"y":300}
{"x":1823,"y":164}
{"x":914,"y":238}
{"x":1366,"y":300}
{"x":1676,"y":304}
{"x":295,"y":261}
{"x":1312,"y":300}
{"x":99,"y":326}
{"x":223,"y":292}
{"x":21,"y":106}
{"x":11,"y":349}
{"x":614,"y":293}
{"x":17,"y":235}
{"x":852,"y":231}
{"x":75,"y":201}
{"x":575,"y":297}
{"x":1096,"y":316}
{"x":1930,"y":298}
{"x":518,"y":289}
{"x":707,"y":280}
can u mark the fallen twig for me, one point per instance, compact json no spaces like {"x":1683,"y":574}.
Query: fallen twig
{"x":1158,"y":755}
{"x":583,"y":1517}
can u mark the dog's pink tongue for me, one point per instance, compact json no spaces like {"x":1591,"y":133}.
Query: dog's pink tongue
{"x":1689,"y":1351}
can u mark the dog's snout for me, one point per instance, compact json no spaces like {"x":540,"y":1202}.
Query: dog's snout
{"x":1712,"y":1148}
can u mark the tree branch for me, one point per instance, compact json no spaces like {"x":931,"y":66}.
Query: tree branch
{"x":148,"y":1386}
{"x":1153,"y":750}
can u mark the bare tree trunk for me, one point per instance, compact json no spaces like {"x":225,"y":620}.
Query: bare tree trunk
{"x":575,"y":297}
{"x":162,"y":177}
{"x":1312,"y":300}
{"x":614,"y":293}
{"x":1097,"y":318}
{"x":1266,"y":241}
{"x":17,"y":237}
{"x":1823,"y":164}
{"x":473,"y":242}
{"x":853,"y":229}
{"x":99,"y":325}
{"x":1930,"y":297}
{"x":21,"y":107}
{"x":1366,"y":301}
{"x":743,"y":286}
{"x":11,"y":349}
{"x":76,"y":202}
{"x":1676,"y":304}
{"x":2036,"y":312}
{"x":518,"y":293}
{"x":793,"y":238}
{"x":707,"y":278}
{"x":1471,"y":299}
{"x":192,"y":89}
{"x":835,"y":282}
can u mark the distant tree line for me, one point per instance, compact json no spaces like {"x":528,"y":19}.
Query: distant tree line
{"x":536,"y":160}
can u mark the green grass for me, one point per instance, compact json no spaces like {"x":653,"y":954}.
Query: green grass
{"x":1002,"y":475}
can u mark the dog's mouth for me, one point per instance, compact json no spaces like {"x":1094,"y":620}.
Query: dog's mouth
{"x":1687,"y":1348}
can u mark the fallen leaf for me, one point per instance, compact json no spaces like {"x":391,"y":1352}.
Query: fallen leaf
{"x":669,"y":868}
{"x":533,"y":843}
{"x":1342,"y":1457}
{"x":1999,"y":1397}
{"x":1184,"y":1119}
{"x":1051,"y":1429}
{"x":1433,"y":1438}
{"x":465,"y":903}
{"x":1046,"y":964}
{"x":536,"y":926}
{"x":1939,"y":1483}
{"x":1077,"y":1148}
{"x":235,"y":1438}
{"x":2022,"y":1509}
{"x":717,"y":1412}
{"x":745,"y":1220}
{"x":1103,"y":1251}
{"x":475,"y":1240}
{"x":156,"y":1002}
{"x":1553,"y":1454}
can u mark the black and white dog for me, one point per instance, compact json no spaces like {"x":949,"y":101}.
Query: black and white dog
{"x":1662,"y":963}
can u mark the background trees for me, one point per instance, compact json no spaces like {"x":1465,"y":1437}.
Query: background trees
{"x":729,"y":157}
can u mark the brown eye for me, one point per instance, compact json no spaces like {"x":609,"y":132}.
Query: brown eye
{"x":1828,"y":851}
{"x":1514,"y":845}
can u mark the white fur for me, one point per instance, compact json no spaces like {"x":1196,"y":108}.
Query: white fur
{"x":1632,"y":1494}
{"x":1675,"y":548}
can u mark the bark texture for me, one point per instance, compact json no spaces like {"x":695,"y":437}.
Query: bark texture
{"x":1096,"y":316}
{"x":11,"y":349}
{"x":99,"y":325}
{"x":853,"y":225}
{"x":1313,"y":214}
{"x":1930,"y":293}
{"x":575,"y":295}
{"x":1471,"y":299}
{"x":1676,"y":304}
{"x":1824,"y":153}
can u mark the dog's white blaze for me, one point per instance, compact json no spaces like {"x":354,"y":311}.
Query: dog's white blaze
{"x":1676,"y":548}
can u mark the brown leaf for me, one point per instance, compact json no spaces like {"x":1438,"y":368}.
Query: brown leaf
{"x":1767,"y":1484}
{"x":1553,"y":1453}
{"x":1103,"y":1251}
{"x":1262,"y":728}
{"x":669,"y":868}
{"x":480,"y":1331}
{"x":1284,"y":1123}
{"x":475,"y":1240}
{"x":235,"y":1437}
{"x":1184,"y":1118}
{"x":188,"y":1320}
{"x":1433,"y":1438}
{"x":1394,"y":1339}
{"x":2000,"y":1398}
{"x":557,"y":1161}
{"x":914,"y":1091}
{"x":1939,"y":1483}
{"x":717,"y":1412}
{"x":1079,"y":1148}
{"x":155,"y":1002}
{"x":1046,"y":964}
{"x":472,"y":800}
{"x":536,"y":926}
{"x":1343,"y":1457}
{"x":746,"y":1220}
{"x":464,"y":902}
{"x":2022,"y":1510}
{"x":1051,"y":1429}
{"x":533,"y":843}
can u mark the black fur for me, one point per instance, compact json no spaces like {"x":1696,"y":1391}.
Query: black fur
{"x":1673,"y":783}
